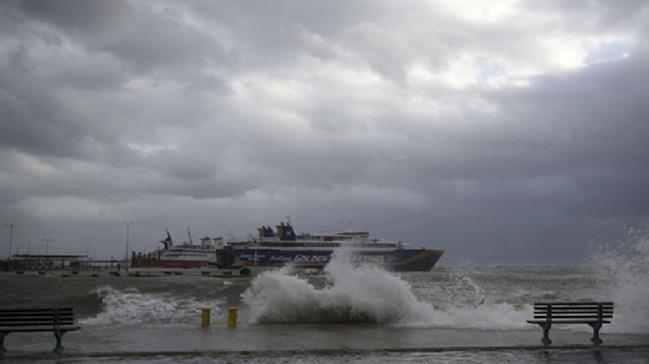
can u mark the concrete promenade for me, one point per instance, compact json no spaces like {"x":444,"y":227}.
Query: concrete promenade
{"x":286,"y":340}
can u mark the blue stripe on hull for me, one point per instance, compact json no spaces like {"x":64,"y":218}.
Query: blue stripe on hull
{"x":398,"y":259}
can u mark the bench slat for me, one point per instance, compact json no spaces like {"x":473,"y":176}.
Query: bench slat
{"x":574,"y":303}
{"x":571,"y":313}
{"x":37,"y":329}
{"x":562,"y":309}
{"x":35,"y":317}
{"x":573,"y":316}
{"x":71,"y":314}
{"x":572,"y":308}
{"x":545,"y":308}
{"x":32,"y":318}
{"x":51,"y":313}
{"x":595,"y":309}
{"x":35,"y":310}
{"x":2,"y":322}
{"x":559,"y":313}
{"x":558,"y":309}
{"x":11,"y":322}
{"x":34,"y":323}
{"x":39,"y":319}
{"x":594,"y":314}
{"x":568,"y":321}
{"x":555,"y":308}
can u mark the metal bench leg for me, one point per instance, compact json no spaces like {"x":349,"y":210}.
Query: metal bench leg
{"x":595,"y":339}
{"x":546,"y":333}
{"x":59,"y":345}
{"x":2,"y":342}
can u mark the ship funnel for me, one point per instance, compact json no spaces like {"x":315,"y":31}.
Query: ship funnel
{"x":280,"y":231}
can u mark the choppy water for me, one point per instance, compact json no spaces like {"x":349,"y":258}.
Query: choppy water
{"x":476,"y":299}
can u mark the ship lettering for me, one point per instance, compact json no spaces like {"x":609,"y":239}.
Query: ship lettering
{"x":301,"y":258}
{"x":374,"y":259}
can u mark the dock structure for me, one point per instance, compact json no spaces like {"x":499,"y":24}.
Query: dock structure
{"x":56,"y":262}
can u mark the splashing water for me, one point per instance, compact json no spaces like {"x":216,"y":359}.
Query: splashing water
{"x":354,"y":294}
{"x":133,"y":307}
{"x":365,"y":294}
{"x":625,"y":273}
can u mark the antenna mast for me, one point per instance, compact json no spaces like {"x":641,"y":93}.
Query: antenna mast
{"x":189,"y":234}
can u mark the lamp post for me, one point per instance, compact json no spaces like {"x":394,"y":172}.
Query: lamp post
{"x":87,"y":246}
{"x":47,"y":251}
{"x":47,"y":245}
{"x":11,"y":237}
{"x":128,"y":227}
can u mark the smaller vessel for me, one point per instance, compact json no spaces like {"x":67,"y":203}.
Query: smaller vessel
{"x":184,"y":255}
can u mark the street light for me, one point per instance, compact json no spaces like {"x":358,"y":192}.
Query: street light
{"x":87,"y":249}
{"x":47,"y":245}
{"x":128,"y":227}
{"x":11,"y":236}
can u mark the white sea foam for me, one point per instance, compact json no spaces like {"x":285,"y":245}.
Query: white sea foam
{"x":367,"y":294}
{"x":625,"y":271}
{"x":130,"y":306}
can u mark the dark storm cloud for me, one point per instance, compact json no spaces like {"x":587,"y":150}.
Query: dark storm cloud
{"x":503,"y":132}
{"x":78,"y":15}
{"x":142,"y":37}
{"x":33,"y":117}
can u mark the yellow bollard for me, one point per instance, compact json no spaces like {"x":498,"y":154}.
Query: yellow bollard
{"x":232,"y":317}
{"x":205,"y":317}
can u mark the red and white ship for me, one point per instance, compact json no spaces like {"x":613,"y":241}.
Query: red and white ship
{"x":185,"y":255}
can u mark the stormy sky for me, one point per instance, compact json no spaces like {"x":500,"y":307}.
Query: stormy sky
{"x":501,"y":131}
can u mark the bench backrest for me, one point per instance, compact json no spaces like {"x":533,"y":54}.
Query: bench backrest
{"x":47,"y":317}
{"x":573,"y":310}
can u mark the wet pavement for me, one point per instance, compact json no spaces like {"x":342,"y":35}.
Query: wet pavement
{"x":186,"y":339}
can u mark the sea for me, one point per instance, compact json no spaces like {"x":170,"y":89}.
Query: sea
{"x":465,"y":313}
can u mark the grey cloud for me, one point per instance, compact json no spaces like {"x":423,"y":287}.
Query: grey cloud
{"x":312,"y":43}
{"x":135,"y":33}
{"x":80,"y":16}
{"x":593,"y":14}
{"x":34,"y":118}
{"x":162,"y":41}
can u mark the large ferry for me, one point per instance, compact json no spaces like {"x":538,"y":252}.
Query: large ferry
{"x":283,"y":246}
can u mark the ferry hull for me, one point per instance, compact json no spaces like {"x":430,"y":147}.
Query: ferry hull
{"x":397,"y":259}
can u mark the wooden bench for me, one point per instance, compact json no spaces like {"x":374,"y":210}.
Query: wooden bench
{"x":57,"y":320}
{"x":594,"y":314}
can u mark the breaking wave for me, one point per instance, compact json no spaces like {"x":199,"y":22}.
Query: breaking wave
{"x":624,"y":271}
{"x":367,"y":294}
{"x":130,"y":306}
